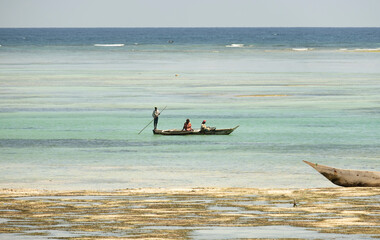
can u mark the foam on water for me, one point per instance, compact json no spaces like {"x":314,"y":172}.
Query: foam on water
{"x":235,"y":45}
{"x":302,"y":49}
{"x":367,"y":50}
{"x":109,"y":45}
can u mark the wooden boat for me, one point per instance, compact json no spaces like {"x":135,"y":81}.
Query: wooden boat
{"x":348,"y":178}
{"x":225,"y":131}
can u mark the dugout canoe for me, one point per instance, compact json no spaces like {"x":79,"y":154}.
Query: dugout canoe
{"x":347,"y":177}
{"x":225,"y":131}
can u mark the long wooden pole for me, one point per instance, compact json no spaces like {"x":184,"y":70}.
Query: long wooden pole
{"x":151,"y":121}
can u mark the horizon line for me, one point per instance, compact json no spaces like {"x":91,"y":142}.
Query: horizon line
{"x":174,"y":27}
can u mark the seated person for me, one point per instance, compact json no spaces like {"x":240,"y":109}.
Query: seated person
{"x":204,"y":127}
{"x":187,"y":126}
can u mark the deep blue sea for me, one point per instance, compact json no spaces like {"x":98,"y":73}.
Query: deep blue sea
{"x":72,"y":102}
{"x":263,"y":38}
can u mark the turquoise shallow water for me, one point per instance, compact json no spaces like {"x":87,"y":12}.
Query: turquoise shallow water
{"x":69,"y":115}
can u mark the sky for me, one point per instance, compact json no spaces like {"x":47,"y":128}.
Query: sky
{"x":190,"y":13}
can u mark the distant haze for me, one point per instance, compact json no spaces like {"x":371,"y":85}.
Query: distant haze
{"x":194,"y":13}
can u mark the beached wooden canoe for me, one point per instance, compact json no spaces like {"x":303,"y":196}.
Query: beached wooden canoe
{"x":225,"y":131}
{"x":348,"y":178}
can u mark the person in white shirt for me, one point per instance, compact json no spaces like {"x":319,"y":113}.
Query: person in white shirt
{"x":204,"y":127}
{"x":155,"y":115}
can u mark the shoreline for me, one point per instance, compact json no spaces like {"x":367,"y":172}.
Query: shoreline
{"x":198,"y":213}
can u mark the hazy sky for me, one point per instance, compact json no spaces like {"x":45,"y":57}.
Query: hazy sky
{"x":190,"y":13}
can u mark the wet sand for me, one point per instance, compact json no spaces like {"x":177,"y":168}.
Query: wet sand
{"x":198,"y":213}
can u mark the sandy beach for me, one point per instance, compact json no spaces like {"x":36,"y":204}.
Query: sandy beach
{"x":195,"y":213}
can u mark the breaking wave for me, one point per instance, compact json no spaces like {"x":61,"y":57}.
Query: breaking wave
{"x":109,"y":45}
{"x":235,"y":45}
{"x":366,"y":50}
{"x":302,"y":49}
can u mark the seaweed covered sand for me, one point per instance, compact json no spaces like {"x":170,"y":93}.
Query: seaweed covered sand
{"x":197,"y":213}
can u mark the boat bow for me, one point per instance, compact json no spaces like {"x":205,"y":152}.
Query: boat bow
{"x":347,"y":177}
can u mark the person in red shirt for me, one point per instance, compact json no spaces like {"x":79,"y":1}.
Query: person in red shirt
{"x":187,"y":126}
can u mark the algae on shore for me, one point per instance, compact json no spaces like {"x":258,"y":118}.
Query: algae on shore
{"x":177,"y":214}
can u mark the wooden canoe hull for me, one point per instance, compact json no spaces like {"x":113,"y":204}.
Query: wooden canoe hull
{"x":177,"y":132}
{"x":347,"y":177}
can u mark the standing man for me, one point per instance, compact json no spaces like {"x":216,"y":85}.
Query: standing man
{"x":155,"y":115}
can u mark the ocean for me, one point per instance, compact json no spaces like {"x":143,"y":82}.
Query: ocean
{"x":72,"y":102}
